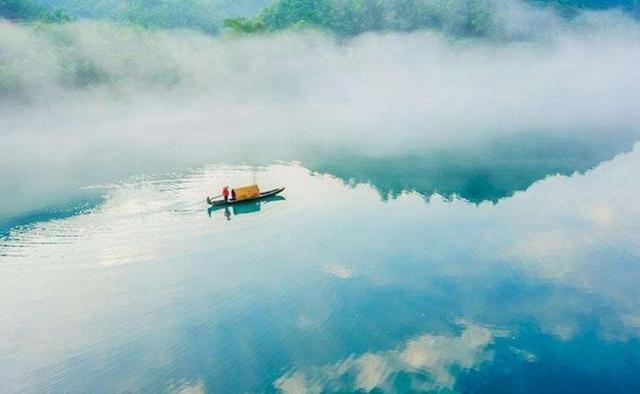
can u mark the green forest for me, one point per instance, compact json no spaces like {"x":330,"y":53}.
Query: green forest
{"x":202,"y":15}
{"x":341,"y":17}
{"x":352,"y":17}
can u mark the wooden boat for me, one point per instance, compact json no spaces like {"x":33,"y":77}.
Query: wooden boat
{"x":268,"y":193}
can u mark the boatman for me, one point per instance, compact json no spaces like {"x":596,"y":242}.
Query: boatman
{"x":225,"y":193}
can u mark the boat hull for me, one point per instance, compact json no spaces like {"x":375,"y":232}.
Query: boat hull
{"x":268,"y":193}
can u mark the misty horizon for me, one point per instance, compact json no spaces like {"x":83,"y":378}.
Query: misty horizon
{"x":318,"y":196}
{"x":90,"y":85}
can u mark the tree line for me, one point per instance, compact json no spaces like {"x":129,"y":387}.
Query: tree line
{"x":352,"y":17}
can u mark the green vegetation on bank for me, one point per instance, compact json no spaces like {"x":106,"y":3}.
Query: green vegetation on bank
{"x":342,"y":17}
{"x":202,"y":15}
{"x":352,"y":17}
{"x":30,"y":11}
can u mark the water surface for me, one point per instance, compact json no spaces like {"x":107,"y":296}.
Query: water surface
{"x":337,"y":286}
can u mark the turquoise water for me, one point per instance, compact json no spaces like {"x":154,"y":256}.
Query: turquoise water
{"x":514,"y":273}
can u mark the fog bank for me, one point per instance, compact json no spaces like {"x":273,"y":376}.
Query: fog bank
{"x":90,"y":102}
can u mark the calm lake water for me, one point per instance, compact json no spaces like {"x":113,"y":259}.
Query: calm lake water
{"x":510,"y":269}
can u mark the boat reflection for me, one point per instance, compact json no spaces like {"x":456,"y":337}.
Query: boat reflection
{"x":243,"y":207}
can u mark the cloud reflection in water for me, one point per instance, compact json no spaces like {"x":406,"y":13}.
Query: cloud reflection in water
{"x":546,"y":257}
{"x":427,"y":359}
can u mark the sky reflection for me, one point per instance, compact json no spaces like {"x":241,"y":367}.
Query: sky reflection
{"x":427,"y":359}
{"x":332,"y":288}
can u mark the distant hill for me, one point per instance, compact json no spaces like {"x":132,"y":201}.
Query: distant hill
{"x":352,"y":17}
{"x":30,"y":11}
{"x":203,"y":15}
{"x":343,"y":17}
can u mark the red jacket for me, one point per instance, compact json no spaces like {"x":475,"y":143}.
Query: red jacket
{"x":225,"y":192}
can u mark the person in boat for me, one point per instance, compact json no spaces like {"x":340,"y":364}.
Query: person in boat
{"x":225,"y":193}
{"x":233,"y":194}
